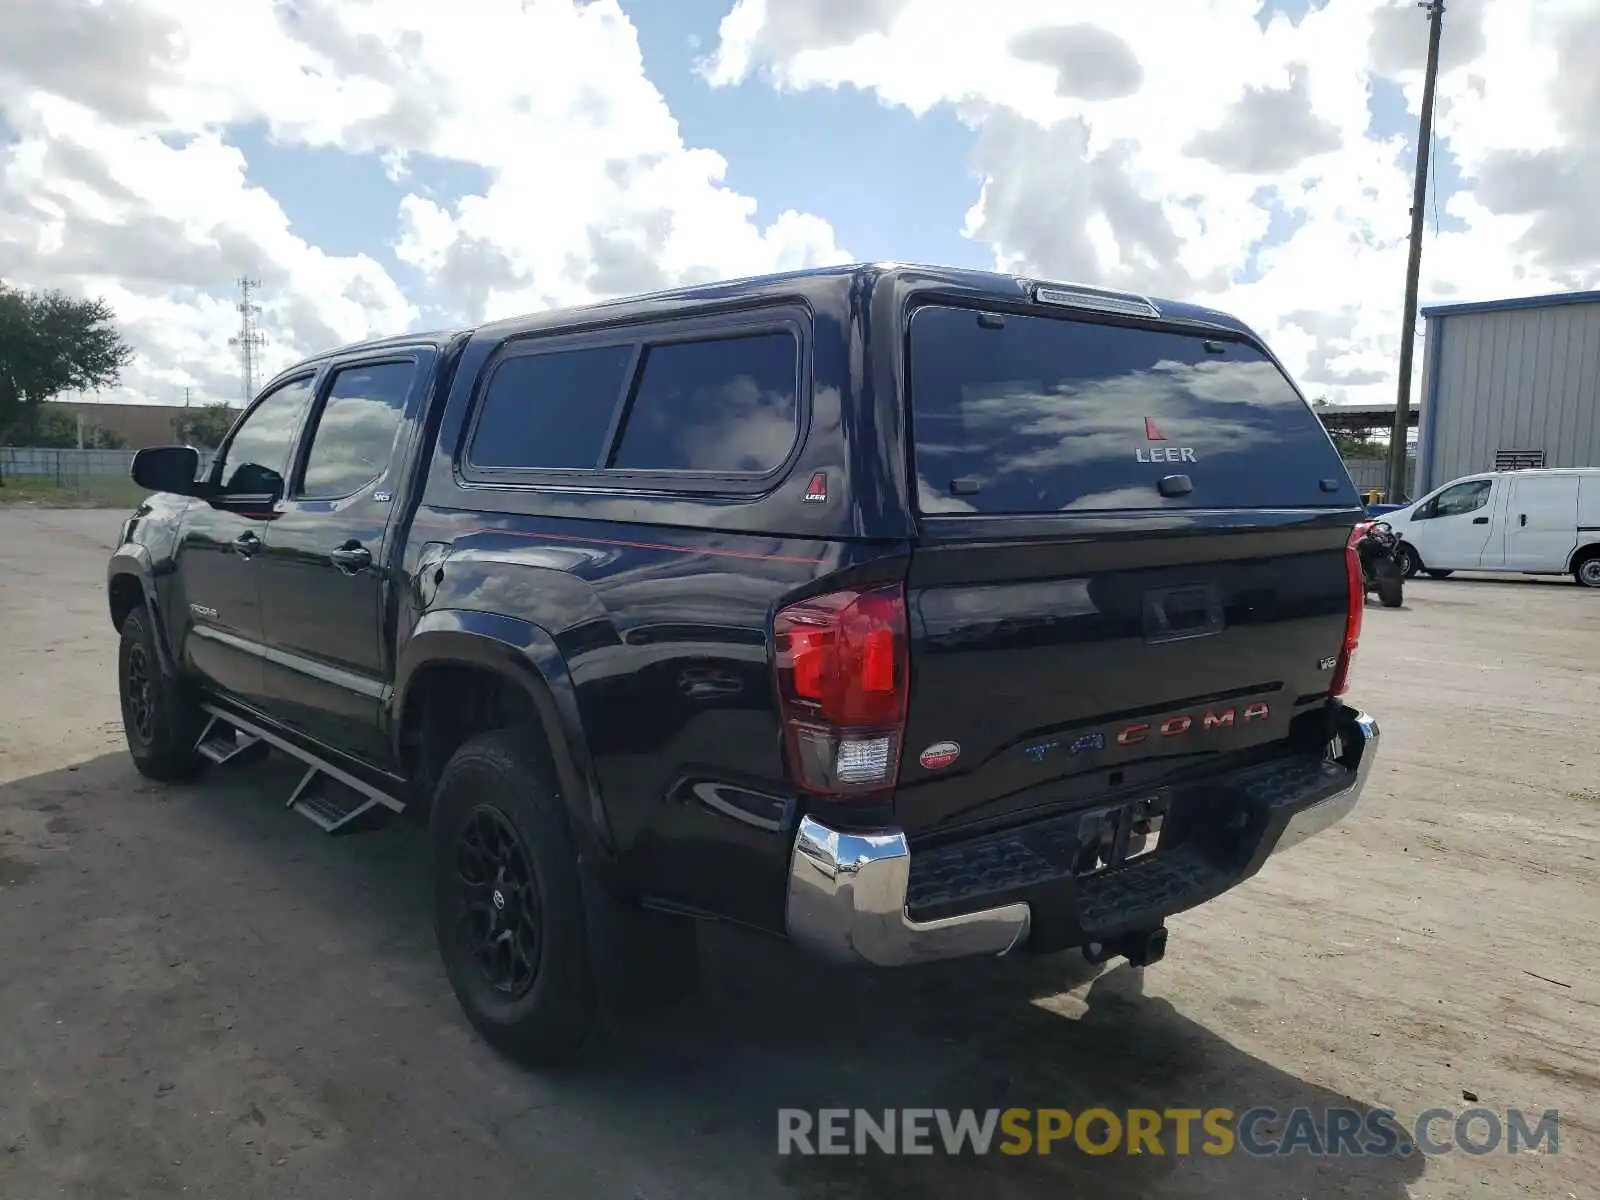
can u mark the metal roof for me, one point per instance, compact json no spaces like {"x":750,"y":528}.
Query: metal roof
{"x":1488,"y":306}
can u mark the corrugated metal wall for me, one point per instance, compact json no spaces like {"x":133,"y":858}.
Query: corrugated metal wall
{"x":1372,"y":474}
{"x":1517,"y":379}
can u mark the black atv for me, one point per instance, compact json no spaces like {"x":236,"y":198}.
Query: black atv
{"x":1382,"y":569}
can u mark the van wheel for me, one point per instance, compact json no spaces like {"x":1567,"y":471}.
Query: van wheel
{"x":1431,"y":574}
{"x":1410,"y":562}
{"x":1588,"y":571}
{"x":508,"y":900}
{"x":161,"y":723}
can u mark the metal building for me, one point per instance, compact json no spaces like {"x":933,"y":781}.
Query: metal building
{"x":1509,"y":384}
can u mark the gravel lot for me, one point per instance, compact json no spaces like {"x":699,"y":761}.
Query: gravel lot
{"x":201,"y":994}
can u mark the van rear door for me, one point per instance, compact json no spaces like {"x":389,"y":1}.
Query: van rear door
{"x":1131,"y":560}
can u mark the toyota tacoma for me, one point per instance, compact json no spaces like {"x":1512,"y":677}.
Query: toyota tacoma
{"x":906,"y":613}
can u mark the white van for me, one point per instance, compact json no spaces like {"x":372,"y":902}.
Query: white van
{"x":1536,"y":522}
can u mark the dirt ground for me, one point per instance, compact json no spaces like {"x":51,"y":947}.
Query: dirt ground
{"x":203,"y":995}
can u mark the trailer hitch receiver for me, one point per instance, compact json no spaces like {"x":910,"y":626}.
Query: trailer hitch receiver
{"x":1141,"y":947}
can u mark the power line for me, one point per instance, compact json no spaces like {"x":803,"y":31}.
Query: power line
{"x":1433,"y":186}
{"x":1419,"y":202}
{"x":249,"y":339}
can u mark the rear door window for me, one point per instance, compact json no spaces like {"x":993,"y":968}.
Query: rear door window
{"x":1033,"y":414}
{"x":354,"y":438}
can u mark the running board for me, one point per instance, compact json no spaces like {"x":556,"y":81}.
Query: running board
{"x":332,"y":809}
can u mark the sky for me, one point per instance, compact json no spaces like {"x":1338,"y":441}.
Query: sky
{"x":385,"y":165}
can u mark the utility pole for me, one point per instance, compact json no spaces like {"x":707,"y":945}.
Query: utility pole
{"x":1419,"y":203}
{"x":249,"y":338}
{"x":186,"y":397}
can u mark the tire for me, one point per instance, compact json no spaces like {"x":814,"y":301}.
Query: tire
{"x":1410,"y":561}
{"x":1439,"y":574}
{"x":1587,"y":571}
{"x":580,"y":954}
{"x":161,"y":723}
{"x":1390,"y":590}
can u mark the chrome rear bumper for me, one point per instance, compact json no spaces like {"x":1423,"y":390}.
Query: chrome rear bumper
{"x":847,"y":900}
{"x":847,"y":891}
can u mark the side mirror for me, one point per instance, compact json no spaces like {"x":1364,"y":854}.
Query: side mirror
{"x":252,"y":486}
{"x":167,"y":469}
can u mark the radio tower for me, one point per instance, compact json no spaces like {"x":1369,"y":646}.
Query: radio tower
{"x":249,"y":338}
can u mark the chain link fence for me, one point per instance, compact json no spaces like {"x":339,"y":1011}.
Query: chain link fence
{"x":89,"y":477}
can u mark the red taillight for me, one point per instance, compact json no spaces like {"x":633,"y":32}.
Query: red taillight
{"x":1356,"y":604}
{"x":843,"y":664}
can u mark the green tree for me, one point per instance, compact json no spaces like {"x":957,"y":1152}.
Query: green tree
{"x":55,"y":428}
{"x":50,"y":343}
{"x":1357,"y":445}
{"x":52,"y":428}
{"x":205,"y":426}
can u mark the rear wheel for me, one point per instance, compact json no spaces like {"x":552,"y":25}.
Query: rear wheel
{"x":535,"y":949}
{"x":1587,"y":571}
{"x":508,"y":906}
{"x":161,"y":723}
{"x":1390,"y":589}
{"x":1439,"y":574}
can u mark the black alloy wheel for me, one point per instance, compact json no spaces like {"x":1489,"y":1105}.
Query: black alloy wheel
{"x":139,"y":695}
{"x":500,"y":906}
{"x":160,"y":720}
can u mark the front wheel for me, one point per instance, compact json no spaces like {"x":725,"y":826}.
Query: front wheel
{"x":1587,"y":572}
{"x":1407,"y":557}
{"x":161,"y":723}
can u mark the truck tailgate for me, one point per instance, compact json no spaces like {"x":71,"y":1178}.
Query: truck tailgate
{"x":1047,"y":663}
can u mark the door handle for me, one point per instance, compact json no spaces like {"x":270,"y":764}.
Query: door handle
{"x":1480,"y":520}
{"x":351,"y":558}
{"x":246,"y":544}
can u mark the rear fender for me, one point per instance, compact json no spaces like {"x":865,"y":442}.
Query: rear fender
{"x":527,"y":655}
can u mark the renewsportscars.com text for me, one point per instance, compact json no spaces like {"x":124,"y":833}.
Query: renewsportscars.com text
{"x":1259,"y":1131}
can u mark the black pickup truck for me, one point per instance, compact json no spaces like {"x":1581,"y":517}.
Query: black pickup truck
{"x":908,"y":613}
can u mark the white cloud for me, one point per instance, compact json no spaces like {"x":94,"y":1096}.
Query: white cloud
{"x":1131,"y":142}
{"x":120,"y":178}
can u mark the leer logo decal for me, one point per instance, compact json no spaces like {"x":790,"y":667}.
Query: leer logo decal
{"x":816,"y":490}
{"x":940,"y":755}
{"x":1161,"y":454}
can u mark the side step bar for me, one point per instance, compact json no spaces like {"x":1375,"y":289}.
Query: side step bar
{"x":222,"y":742}
{"x":331,"y":808}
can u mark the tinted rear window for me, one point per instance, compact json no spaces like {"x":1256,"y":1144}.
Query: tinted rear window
{"x":550,"y":410}
{"x":1048,"y":414}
